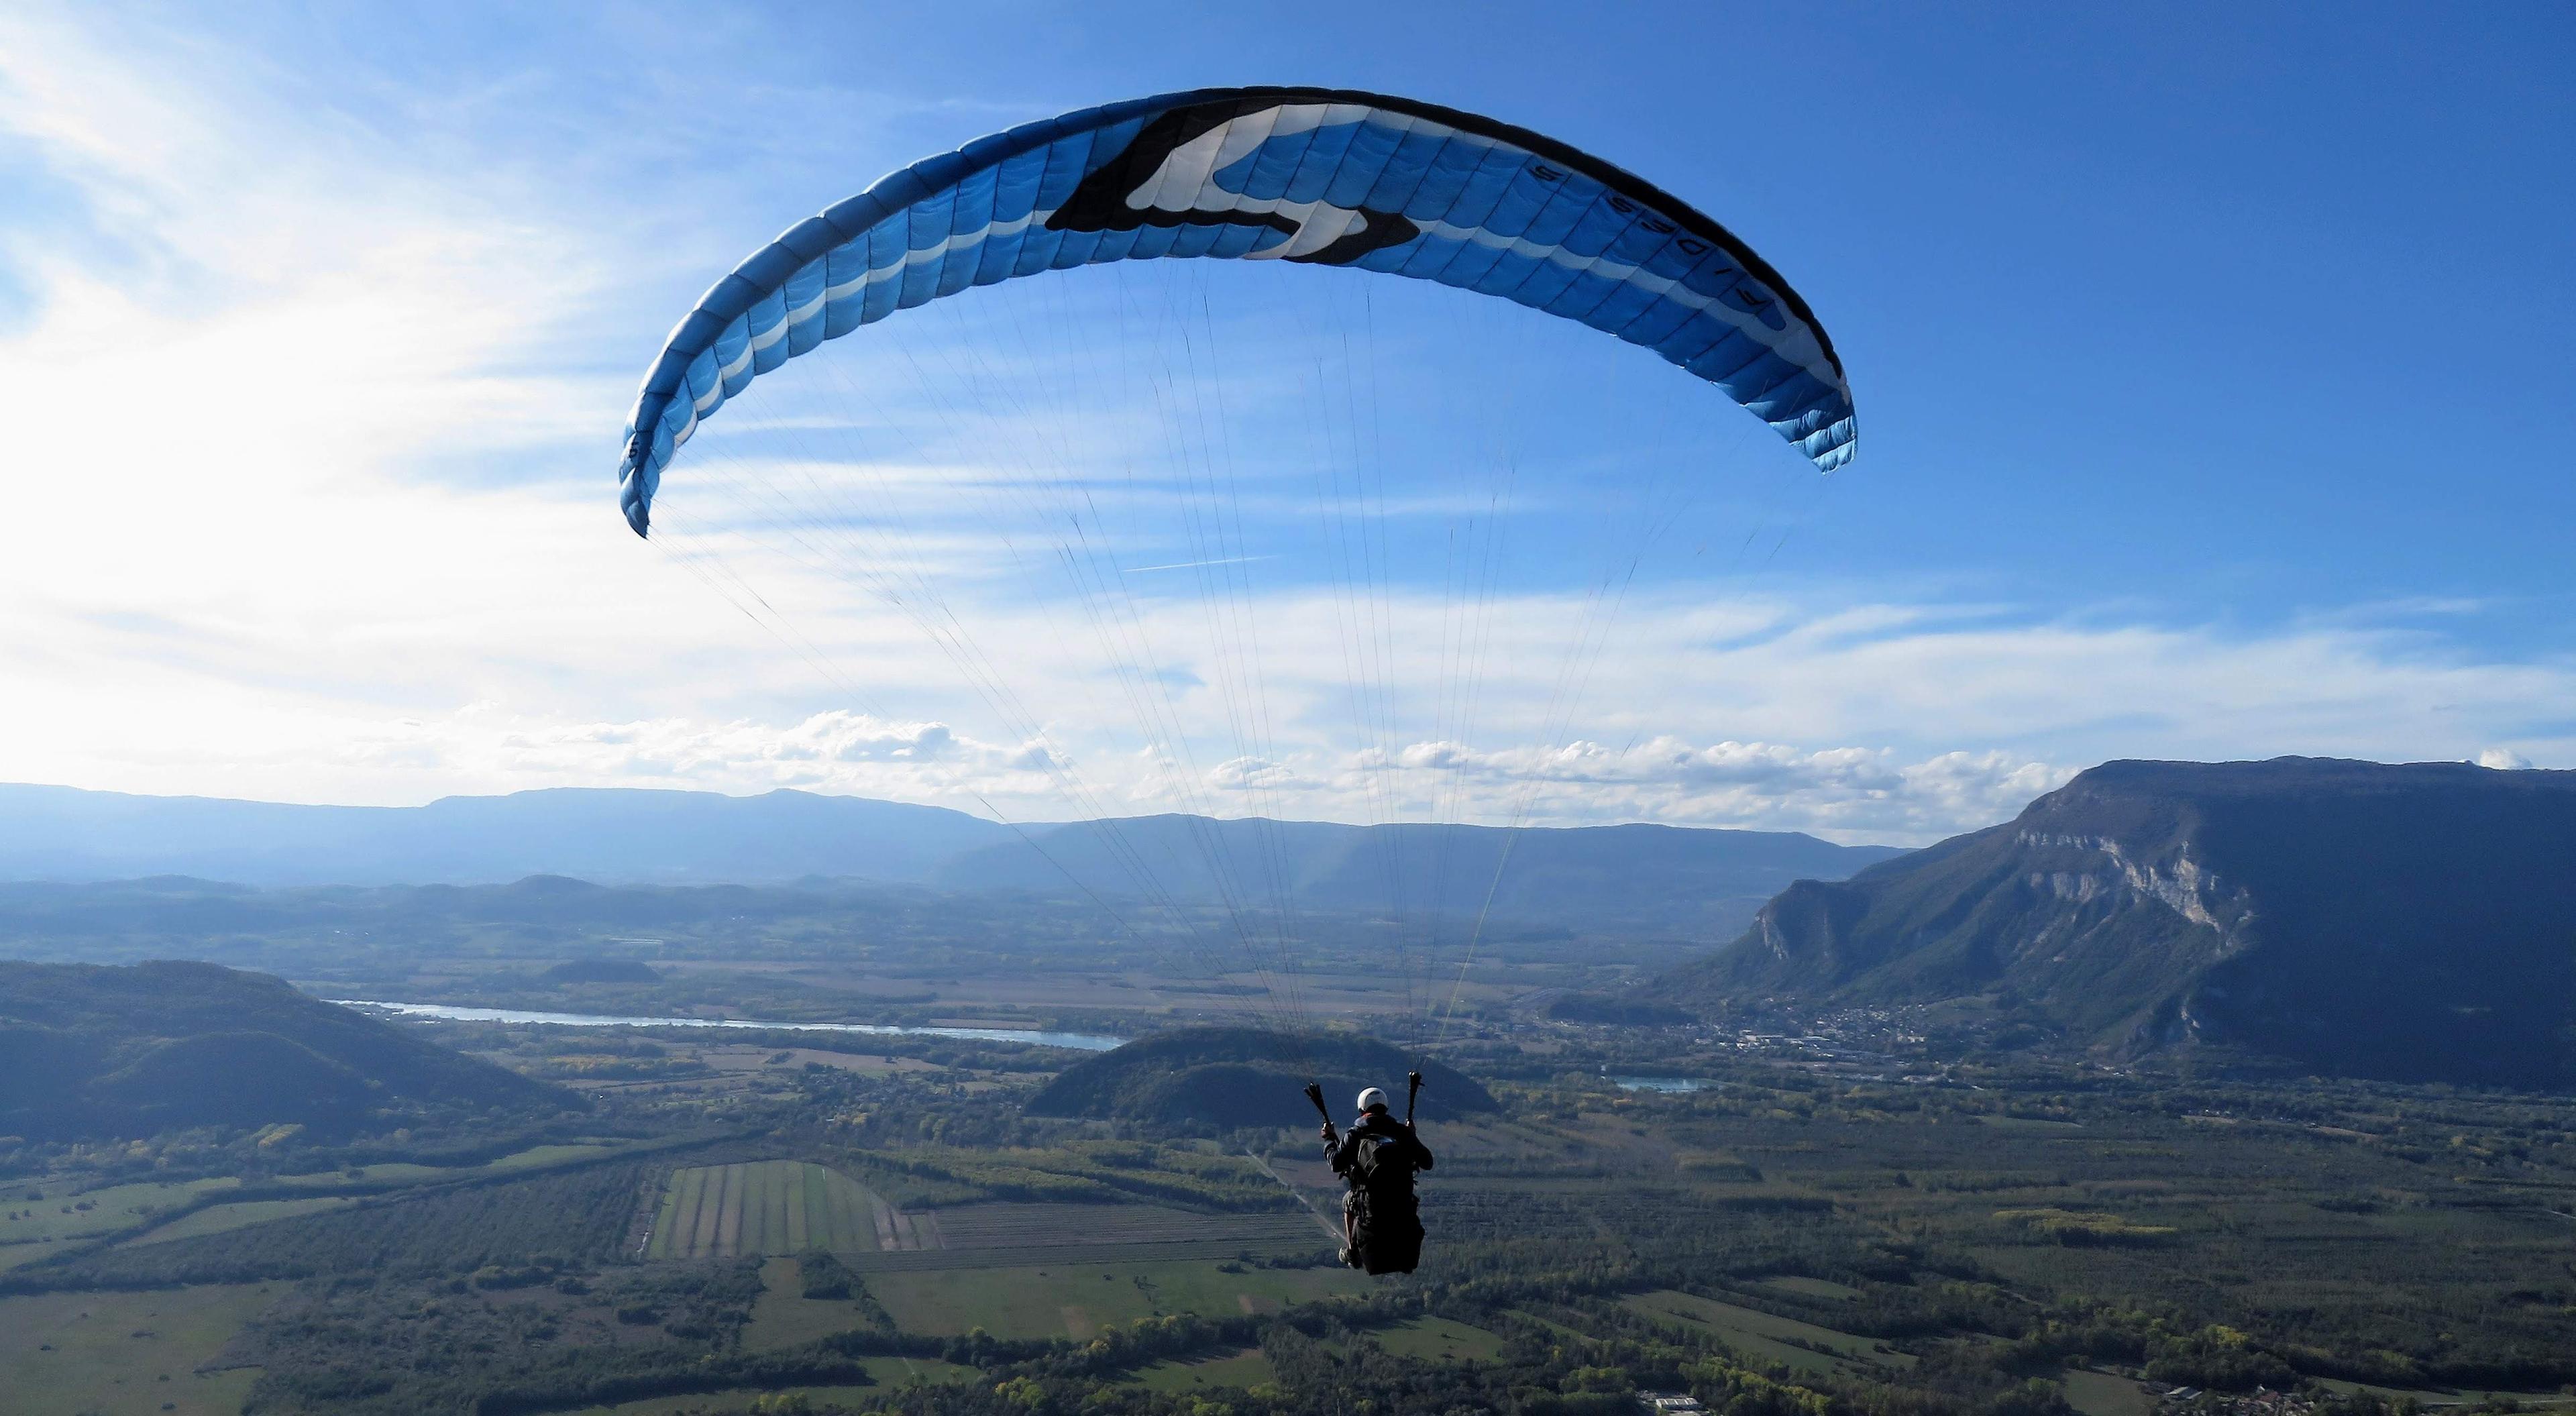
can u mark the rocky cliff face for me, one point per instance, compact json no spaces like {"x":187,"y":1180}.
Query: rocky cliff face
{"x":2413,"y":921}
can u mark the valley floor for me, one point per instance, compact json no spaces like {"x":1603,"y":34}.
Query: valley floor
{"x":1782,"y":1227}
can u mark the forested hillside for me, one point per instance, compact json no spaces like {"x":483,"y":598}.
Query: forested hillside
{"x":1249,"y":1077}
{"x":1658,"y":877}
{"x":90,"y":1052}
{"x":2413,"y":922}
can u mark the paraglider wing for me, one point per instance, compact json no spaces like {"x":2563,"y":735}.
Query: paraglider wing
{"x":1309,"y":176}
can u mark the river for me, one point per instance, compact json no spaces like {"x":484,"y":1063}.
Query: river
{"x":1084,"y":1042}
{"x":1666,"y":1084}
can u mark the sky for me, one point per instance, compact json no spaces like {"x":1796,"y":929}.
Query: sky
{"x":2212,"y":366}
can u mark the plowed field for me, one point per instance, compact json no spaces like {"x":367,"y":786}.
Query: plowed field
{"x":762,"y":1207}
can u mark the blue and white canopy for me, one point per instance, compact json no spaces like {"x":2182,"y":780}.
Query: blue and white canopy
{"x":1316,"y":176}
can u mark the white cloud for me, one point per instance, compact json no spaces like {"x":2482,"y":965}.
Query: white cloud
{"x":282,"y":423}
{"x":1848,"y":792}
{"x":1246,"y":774}
{"x":2503,"y":759}
{"x":836,"y":751}
{"x":309,"y":500}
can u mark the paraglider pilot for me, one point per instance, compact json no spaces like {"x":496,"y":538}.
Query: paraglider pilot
{"x":1377,"y":1158}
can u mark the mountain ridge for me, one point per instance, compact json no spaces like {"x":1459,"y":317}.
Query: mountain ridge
{"x":615,"y":833}
{"x":2410,"y":921}
{"x":91,"y":1050}
{"x":1696,"y":880}
{"x":1684,"y":877}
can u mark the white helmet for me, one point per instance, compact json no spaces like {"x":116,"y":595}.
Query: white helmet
{"x":1371,"y":1099}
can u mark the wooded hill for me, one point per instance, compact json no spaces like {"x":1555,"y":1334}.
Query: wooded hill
{"x":1249,"y":1077}
{"x":90,"y":1052}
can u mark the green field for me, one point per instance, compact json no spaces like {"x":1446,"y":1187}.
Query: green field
{"x":215,"y":1219}
{"x":1068,"y":1301}
{"x":824,"y":1396}
{"x":1775,"y":1339}
{"x":404,"y":1173}
{"x":884,"y":1372}
{"x":1240,"y":1369}
{"x":120,"y":1353}
{"x":785,"y":1317}
{"x":1439,"y":1339}
{"x":762,"y":1207}
{"x":59,"y":1216}
{"x":29,"y":1228}
{"x":2438,"y":1397}
{"x":1812,"y":1287}
{"x":904,"y":1371}
{"x":2028,"y":1123}
{"x":548,"y":1157}
{"x":2102,"y":1394}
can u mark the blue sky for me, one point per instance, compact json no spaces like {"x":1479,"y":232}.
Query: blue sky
{"x":2212,"y":366}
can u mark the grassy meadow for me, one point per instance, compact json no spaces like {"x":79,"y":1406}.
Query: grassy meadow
{"x":33,"y":1217}
{"x":743,"y":1219}
{"x":125,"y":1354}
{"x":215,"y":1219}
{"x":1787,"y":1342}
{"x":1077,"y":1301}
{"x":1246,"y":1368}
{"x":1439,"y":1340}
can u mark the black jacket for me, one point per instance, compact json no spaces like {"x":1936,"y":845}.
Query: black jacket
{"x":1345,"y":1155}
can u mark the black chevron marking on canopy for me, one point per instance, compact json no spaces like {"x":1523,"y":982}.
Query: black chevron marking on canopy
{"x":1099,"y":201}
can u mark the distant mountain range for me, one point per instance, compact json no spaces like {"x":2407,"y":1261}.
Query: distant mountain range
{"x":1669,"y":877}
{"x":1681,"y":879}
{"x":2354,"y":918}
{"x":90,"y":1052}
{"x":639,"y":837}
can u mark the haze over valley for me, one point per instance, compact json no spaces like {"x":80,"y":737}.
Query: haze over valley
{"x":2118,"y":1030}
{"x":1421,"y":710}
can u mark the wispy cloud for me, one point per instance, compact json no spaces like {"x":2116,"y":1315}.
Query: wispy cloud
{"x":1848,"y":792}
{"x":836,"y":751}
{"x":1965,"y":728}
{"x":309,"y":431}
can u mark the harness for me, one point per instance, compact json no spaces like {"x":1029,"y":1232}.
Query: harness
{"x":1379,"y":1212}
{"x":1380,"y":1218}
{"x":1382,"y":1166}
